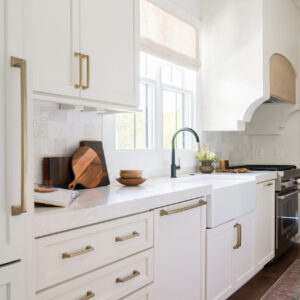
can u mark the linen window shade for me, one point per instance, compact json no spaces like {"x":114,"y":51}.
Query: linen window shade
{"x":168,"y":37}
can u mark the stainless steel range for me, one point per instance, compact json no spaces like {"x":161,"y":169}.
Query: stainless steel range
{"x":286,"y":203}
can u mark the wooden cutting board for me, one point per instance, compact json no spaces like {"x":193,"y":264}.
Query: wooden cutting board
{"x":87,"y":168}
{"x":97,"y":146}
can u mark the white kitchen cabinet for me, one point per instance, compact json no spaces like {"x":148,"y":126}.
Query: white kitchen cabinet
{"x":179,"y":245}
{"x":87,"y":51}
{"x":55,"y":41}
{"x":12,"y":178}
{"x":230,"y":257}
{"x":12,"y":282}
{"x":264,"y":224}
{"x":108,"y":35}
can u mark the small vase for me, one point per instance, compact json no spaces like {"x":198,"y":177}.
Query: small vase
{"x":206,"y":167}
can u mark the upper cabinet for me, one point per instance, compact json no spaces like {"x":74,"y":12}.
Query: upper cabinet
{"x":239,"y":39}
{"x":86,"y":52}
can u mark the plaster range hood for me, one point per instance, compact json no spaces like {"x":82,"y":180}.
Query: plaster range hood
{"x":248,"y":58}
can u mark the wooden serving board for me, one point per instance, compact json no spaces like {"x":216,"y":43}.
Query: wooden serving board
{"x":87,"y":168}
{"x":98,"y":148}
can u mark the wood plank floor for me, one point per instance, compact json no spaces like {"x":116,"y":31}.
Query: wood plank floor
{"x":255,"y":288}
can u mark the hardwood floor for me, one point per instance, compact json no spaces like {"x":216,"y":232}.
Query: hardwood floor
{"x":255,"y":288}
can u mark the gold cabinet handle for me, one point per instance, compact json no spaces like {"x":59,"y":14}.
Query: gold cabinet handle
{"x":87,"y":57}
{"x":268,"y":184}
{"x":89,"y":295}
{"x":239,"y":236}
{"x":175,"y":211}
{"x":128,"y":237}
{"x":22,"y":65}
{"x":87,"y":249}
{"x":77,"y":54}
{"x":134,"y":274}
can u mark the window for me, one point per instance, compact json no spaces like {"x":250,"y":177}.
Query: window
{"x":168,"y":63}
{"x":166,"y":93}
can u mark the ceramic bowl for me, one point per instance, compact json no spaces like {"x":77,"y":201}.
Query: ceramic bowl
{"x":131,"y":174}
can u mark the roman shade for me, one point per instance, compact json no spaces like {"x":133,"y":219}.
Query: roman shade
{"x":168,"y":37}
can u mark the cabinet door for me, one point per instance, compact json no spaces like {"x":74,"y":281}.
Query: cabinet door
{"x":11,"y":282}
{"x":219,"y":276}
{"x":109,"y":36}
{"x":11,"y":44}
{"x":55,"y":39}
{"x":264,"y":223}
{"x":243,"y":255}
{"x":179,"y":238}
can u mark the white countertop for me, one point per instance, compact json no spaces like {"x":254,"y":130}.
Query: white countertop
{"x":115,"y":201}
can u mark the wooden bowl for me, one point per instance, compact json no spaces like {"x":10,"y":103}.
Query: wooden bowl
{"x":131,"y":174}
{"x":131,"y":181}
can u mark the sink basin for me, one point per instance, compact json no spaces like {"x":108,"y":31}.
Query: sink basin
{"x":232,"y":196}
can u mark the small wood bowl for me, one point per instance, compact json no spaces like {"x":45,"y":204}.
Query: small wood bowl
{"x":131,"y":174}
{"x":131,"y":181}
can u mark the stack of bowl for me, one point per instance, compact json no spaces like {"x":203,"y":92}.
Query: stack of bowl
{"x":131,"y":177}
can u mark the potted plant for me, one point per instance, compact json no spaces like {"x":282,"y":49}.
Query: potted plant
{"x":206,"y":157}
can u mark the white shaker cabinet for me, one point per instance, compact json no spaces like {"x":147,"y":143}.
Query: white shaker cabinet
{"x":179,"y":251}
{"x":264,"y":223}
{"x":109,"y":33}
{"x":13,"y":124}
{"x":55,"y":41}
{"x":230,"y":257}
{"x":12,"y":282}
{"x":87,"y":51}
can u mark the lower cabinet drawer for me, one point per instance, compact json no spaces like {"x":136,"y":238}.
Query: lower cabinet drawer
{"x":146,"y":293}
{"x":109,"y":283}
{"x":69,"y":254}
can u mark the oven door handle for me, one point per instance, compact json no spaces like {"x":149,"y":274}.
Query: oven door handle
{"x":288,"y":195}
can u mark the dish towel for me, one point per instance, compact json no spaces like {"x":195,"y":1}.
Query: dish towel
{"x":48,"y":195}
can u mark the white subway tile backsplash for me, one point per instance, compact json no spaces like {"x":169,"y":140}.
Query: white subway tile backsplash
{"x":58,"y":132}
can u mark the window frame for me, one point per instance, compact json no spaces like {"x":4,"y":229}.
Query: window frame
{"x":159,"y":88}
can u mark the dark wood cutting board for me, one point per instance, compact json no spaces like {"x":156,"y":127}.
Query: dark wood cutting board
{"x":57,"y":171}
{"x":87,"y":168}
{"x":98,"y":148}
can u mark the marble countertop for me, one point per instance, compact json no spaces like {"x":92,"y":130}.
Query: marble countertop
{"x":115,"y":201}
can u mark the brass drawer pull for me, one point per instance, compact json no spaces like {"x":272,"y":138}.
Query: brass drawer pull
{"x":77,"y":86}
{"x":89,"y":295}
{"x":134,"y":274}
{"x":178,"y":210}
{"x":20,"y":63}
{"x":239,"y":236}
{"x":87,"y":57}
{"x":268,"y":184}
{"x":84,"y":251}
{"x":128,"y":237}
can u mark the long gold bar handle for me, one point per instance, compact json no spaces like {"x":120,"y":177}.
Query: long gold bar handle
{"x":128,"y":237}
{"x":87,"y":57}
{"x":176,"y":211}
{"x":87,"y":249}
{"x":134,"y":274}
{"x":89,"y":295}
{"x":268,"y":184}
{"x":22,"y":65}
{"x":77,"y":54}
{"x":239,"y":236}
